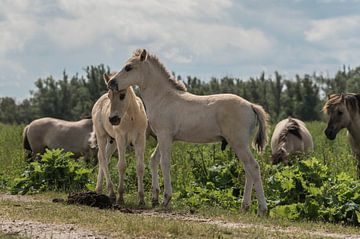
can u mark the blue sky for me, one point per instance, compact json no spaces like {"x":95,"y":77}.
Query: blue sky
{"x":201,"y":38}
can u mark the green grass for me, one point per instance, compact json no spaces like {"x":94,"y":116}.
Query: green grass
{"x":10,"y":236}
{"x":11,"y":154}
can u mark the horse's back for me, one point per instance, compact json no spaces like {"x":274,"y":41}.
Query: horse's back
{"x":57,"y":133}
{"x":300,"y":140}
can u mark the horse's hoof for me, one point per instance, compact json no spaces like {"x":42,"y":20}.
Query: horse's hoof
{"x":167,"y":200}
{"x":245,"y":208}
{"x":142,"y":203}
{"x":154,"y":203}
{"x":120,"y":201}
{"x":262,"y":212}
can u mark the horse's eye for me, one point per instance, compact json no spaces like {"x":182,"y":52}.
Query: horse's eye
{"x":122,"y":96}
{"x":340,"y":112}
{"x":128,"y":68}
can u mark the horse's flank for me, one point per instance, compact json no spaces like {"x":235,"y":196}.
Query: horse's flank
{"x":54,"y":133}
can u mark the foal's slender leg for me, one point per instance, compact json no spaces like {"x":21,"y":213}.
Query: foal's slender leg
{"x":139,"y":153}
{"x":249,"y":183}
{"x":121,"y":145}
{"x":103,"y":155}
{"x":253,"y":170}
{"x":155,"y":160}
{"x":165,"y":157}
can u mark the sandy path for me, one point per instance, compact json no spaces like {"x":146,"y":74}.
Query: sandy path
{"x":61,"y":231}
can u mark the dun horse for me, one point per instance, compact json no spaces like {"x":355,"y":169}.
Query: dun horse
{"x":290,"y":136}
{"x":119,"y":120}
{"x":175,"y":114}
{"x":344,"y":112}
{"x":54,"y":133}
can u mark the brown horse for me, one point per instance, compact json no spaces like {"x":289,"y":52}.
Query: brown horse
{"x":290,"y":136}
{"x":175,"y":114}
{"x":344,"y":112}
{"x":54,"y":133}
{"x":119,"y":120}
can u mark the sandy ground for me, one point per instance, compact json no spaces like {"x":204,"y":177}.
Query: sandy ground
{"x":35,"y":229}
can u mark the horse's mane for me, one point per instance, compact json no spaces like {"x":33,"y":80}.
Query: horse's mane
{"x":179,"y":85}
{"x":351,"y":100}
{"x":292,"y":127}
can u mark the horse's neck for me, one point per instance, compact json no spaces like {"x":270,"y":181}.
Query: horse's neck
{"x":156,"y":89}
{"x":354,"y":128}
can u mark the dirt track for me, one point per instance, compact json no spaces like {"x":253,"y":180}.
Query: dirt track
{"x":35,"y":229}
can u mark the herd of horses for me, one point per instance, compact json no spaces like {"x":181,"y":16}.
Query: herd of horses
{"x":173,"y":114}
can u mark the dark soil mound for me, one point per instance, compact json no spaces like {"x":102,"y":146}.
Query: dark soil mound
{"x":90,"y":199}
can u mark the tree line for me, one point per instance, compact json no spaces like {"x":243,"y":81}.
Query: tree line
{"x":72,"y":98}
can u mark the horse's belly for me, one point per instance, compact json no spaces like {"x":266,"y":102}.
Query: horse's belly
{"x":198,"y":135}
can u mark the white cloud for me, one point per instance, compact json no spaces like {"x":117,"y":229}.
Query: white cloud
{"x":333,"y":29}
{"x":188,"y":27}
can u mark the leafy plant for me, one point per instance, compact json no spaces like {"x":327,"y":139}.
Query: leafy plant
{"x":57,"y":170}
{"x":306,"y":191}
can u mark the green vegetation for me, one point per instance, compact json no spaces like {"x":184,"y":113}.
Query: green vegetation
{"x":321,"y":187}
{"x":55,"y":170}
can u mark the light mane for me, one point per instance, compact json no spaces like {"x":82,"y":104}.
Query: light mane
{"x":351,"y":100}
{"x":179,"y":85}
{"x":292,"y":127}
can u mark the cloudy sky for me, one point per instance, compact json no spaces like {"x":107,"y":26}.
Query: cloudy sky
{"x":191,"y":37}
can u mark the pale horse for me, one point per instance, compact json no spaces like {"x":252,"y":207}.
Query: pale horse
{"x":290,"y":136}
{"x":175,"y":114}
{"x":119,"y":120}
{"x":51,"y":133}
{"x":344,"y":112}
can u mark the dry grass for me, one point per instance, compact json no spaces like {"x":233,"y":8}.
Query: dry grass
{"x":150,"y":224}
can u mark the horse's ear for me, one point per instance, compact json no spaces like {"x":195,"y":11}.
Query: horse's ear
{"x":106,"y":78}
{"x":143,"y":55}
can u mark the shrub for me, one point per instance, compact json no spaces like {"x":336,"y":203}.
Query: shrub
{"x":306,"y":191}
{"x":56,"y":170}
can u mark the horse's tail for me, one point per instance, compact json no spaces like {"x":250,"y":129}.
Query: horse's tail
{"x":26,"y":143}
{"x":261,"y":135}
{"x":92,"y":140}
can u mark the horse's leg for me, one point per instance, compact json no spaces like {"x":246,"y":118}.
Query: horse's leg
{"x":104,"y":169}
{"x":165,"y":142}
{"x":249,"y":183}
{"x":121,"y":146}
{"x":101,"y":146}
{"x":155,"y":160}
{"x":139,"y":153}
{"x":252,"y":169}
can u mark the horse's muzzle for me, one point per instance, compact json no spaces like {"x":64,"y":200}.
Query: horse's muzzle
{"x":330,"y":133}
{"x":115,"y":120}
{"x":112,"y":85}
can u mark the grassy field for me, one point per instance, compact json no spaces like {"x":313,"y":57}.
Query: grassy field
{"x":191,"y":166}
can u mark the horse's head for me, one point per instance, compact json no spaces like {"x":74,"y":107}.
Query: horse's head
{"x":339,"y":114}
{"x":119,"y":102}
{"x":279,"y":156}
{"x":133,"y":72}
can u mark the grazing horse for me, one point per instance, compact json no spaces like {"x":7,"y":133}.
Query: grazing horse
{"x":344,"y":112}
{"x":175,"y":114}
{"x":119,"y":120}
{"x":54,"y":133}
{"x":290,"y":135}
